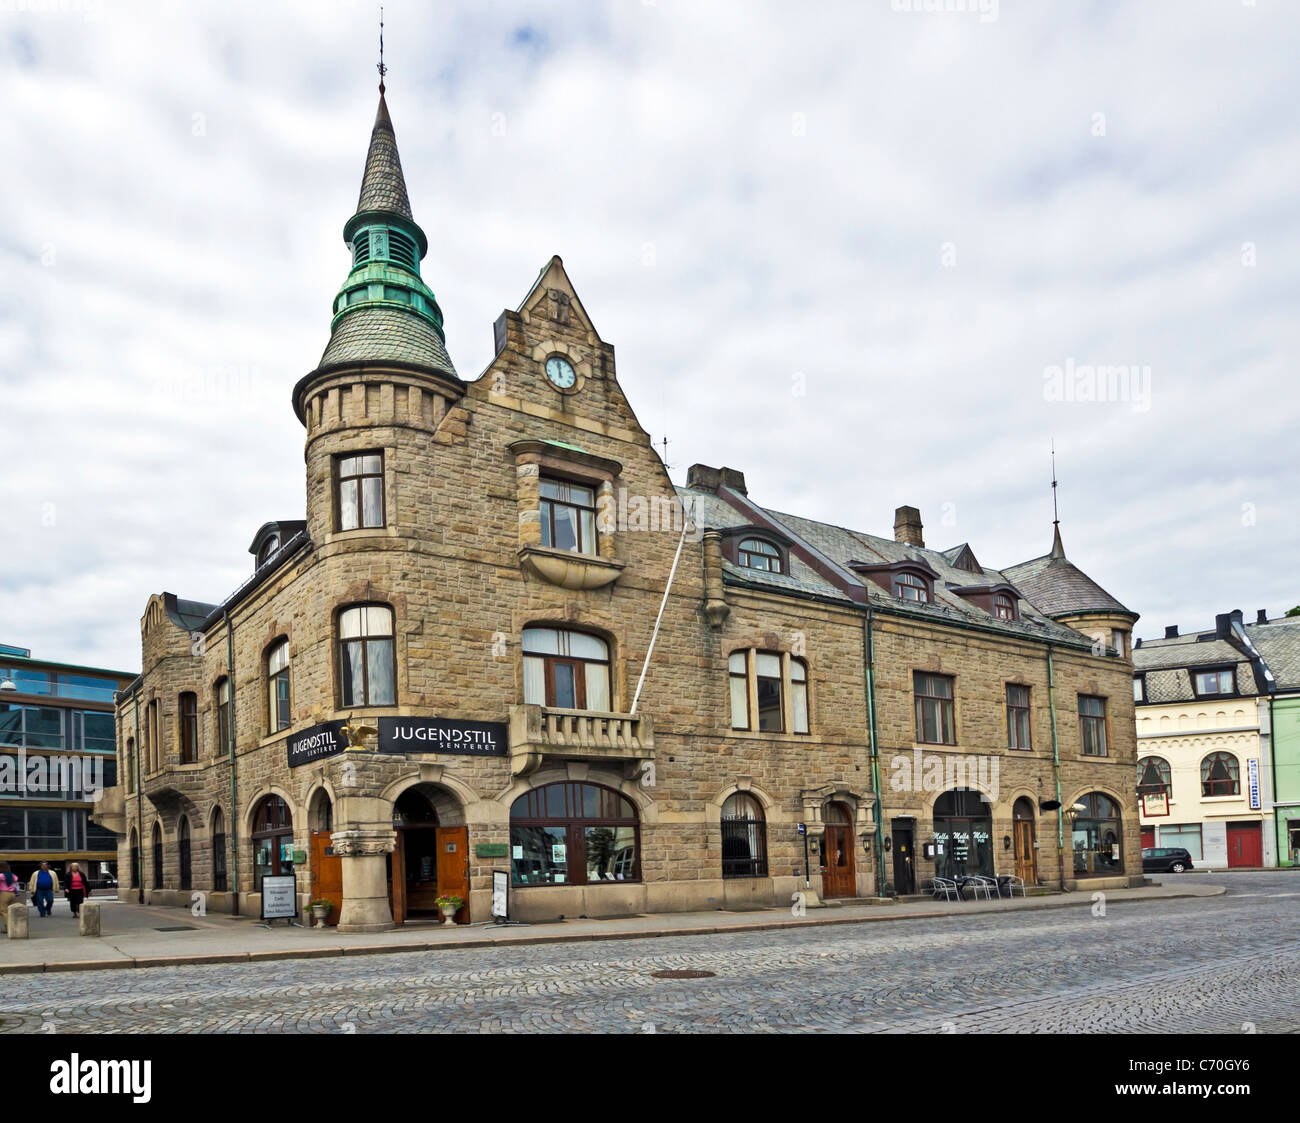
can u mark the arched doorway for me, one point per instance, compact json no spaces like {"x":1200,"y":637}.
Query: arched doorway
{"x":218,"y":851}
{"x":428,"y":861}
{"x":183,"y":852}
{"x":1098,"y":837}
{"x":136,"y":883}
{"x":157,"y":856}
{"x":326,"y":866}
{"x":963,"y":834}
{"x":1022,"y":825}
{"x":838,"y":877}
{"x":272,"y":840}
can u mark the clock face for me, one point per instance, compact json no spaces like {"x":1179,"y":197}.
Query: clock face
{"x":560,"y":372}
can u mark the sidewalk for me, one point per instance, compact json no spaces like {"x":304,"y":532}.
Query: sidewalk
{"x":142,"y":936}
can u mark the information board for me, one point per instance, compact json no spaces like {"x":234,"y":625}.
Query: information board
{"x":279,"y":897}
{"x":501,"y":894}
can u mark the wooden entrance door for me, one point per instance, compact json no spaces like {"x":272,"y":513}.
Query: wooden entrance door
{"x":1026,"y":858}
{"x":326,"y":874}
{"x":838,"y":879}
{"x":1245,"y":845}
{"x":453,"y":867}
{"x":397,"y":879}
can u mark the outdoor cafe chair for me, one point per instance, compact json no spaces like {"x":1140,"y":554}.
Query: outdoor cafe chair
{"x":947,"y":887}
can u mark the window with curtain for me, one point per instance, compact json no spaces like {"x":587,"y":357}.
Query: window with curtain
{"x":744,"y":837}
{"x":222,"y":704}
{"x":188,"y":720}
{"x":798,"y":695}
{"x":1220,"y":775}
{"x":277,"y":686}
{"x":573,"y":834}
{"x":935,"y":720}
{"x":366,"y":664}
{"x":568,"y":513}
{"x":760,"y":675}
{"x":1210,"y":683}
{"x":1092,"y":724}
{"x":758,"y":553}
{"x":360,"y":491}
{"x":1153,"y":775}
{"x":738,"y":674}
{"x":1018,"y":736}
{"x":913,"y":587}
{"x":566,"y":670}
{"x":1004,"y":608}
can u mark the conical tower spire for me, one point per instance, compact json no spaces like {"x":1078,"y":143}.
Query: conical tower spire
{"x":1058,"y":548}
{"x":383,"y":187}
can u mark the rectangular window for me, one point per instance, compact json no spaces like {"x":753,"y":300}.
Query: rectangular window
{"x":1092,"y":724}
{"x":768,"y":673}
{"x":1137,"y":689}
{"x":1186,"y":836}
{"x":738,"y":673}
{"x":1018,"y":717}
{"x":935,"y":724}
{"x":1117,"y":638}
{"x":361,"y":491}
{"x":568,"y":512}
{"x":1213,"y":682}
{"x":223,"y":716}
{"x":799,"y":695}
{"x":188,"y":719}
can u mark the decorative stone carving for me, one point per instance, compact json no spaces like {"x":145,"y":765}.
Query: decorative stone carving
{"x":363,"y":843}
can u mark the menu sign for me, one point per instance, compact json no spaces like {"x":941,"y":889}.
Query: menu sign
{"x":279,"y":897}
{"x":316,"y":743}
{"x":442,"y":735}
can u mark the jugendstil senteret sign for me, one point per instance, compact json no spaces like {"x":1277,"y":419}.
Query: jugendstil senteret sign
{"x":442,"y":735}
{"x":316,"y":743}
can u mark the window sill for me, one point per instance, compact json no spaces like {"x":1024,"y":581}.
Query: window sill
{"x":766,"y":735}
{"x":569,"y":570}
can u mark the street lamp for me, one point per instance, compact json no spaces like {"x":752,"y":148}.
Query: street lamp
{"x":8,"y":686}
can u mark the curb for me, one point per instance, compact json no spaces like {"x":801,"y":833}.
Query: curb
{"x":337,"y":951}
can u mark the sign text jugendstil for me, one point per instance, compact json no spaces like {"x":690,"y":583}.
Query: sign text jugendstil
{"x":442,"y":735}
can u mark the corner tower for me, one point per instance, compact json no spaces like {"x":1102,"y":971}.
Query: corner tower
{"x":385,"y":374}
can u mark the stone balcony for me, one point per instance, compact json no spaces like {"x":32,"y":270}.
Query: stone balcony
{"x":540,"y":735}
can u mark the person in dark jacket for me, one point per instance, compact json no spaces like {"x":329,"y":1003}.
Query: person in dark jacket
{"x":78,"y":888}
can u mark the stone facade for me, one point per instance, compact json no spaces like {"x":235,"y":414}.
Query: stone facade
{"x":461,"y":562}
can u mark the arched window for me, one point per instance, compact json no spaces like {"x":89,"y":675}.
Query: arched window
{"x":1098,"y":840}
{"x":135,"y":859}
{"x":758,"y":553}
{"x":188,"y":720}
{"x":157,"y":857}
{"x":269,"y":547}
{"x":272,"y":840}
{"x":912,"y":586}
{"x":221,"y":703}
{"x":218,"y":851}
{"x":1004,"y":608}
{"x":573,"y":834}
{"x":744,"y":837}
{"x":183,"y":851}
{"x":1220,"y":775}
{"x":566,"y":670}
{"x":277,"y":686}
{"x":366,"y":656}
{"x":1153,"y":775}
{"x":963,"y":827}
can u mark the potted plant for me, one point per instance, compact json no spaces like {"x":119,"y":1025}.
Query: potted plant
{"x":320,"y":909}
{"x":449,"y":904}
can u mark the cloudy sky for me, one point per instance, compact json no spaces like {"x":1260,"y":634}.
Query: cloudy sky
{"x":865,"y":254}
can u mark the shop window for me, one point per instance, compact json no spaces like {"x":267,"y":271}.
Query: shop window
{"x":568,"y":516}
{"x":760,"y":554}
{"x":277,"y":686}
{"x":1220,"y":775}
{"x":1092,"y":725}
{"x":1018,"y":728}
{"x":366,"y":665}
{"x":566,"y":670}
{"x":573,"y":834}
{"x":188,"y":720}
{"x":744,"y":837}
{"x":963,"y":834}
{"x":1185,"y":836}
{"x":1098,"y":837}
{"x":272,"y":840}
{"x":935,"y":719}
{"x":360,"y":491}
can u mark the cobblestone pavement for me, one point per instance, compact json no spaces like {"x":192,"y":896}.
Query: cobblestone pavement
{"x":1217,"y":965}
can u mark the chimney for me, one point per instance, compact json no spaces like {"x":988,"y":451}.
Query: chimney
{"x":1261,"y":616}
{"x":734,"y":479}
{"x":1171,"y":631}
{"x":1223,"y":623}
{"x":907,"y":526}
{"x":701,"y":477}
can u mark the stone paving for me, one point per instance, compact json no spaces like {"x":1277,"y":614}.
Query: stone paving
{"x":1224,"y":964}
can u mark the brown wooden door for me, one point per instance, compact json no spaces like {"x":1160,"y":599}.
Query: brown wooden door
{"x":838,"y":879}
{"x":453,"y":867}
{"x":326,"y":873}
{"x":1026,"y":859}
{"x":397,"y":879}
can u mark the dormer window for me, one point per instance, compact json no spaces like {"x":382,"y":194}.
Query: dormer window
{"x":1004,"y":608}
{"x":913,"y":587}
{"x":757,"y":553}
{"x":1211,"y":683}
{"x":269,"y":547}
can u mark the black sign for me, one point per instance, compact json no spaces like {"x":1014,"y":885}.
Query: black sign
{"x":442,"y":735}
{"x":316,"y":743}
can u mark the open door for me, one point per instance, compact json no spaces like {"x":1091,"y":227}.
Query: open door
{"x":453,"y":867}
{"x":838,"y":876}
{"x":326,"y":873}
{"x":397,"y":879}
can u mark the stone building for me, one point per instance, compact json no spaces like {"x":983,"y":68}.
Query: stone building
{"x":502,"y":640}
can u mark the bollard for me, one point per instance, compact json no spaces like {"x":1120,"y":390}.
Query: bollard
{"x":88,"y":922}
{"x":16,"y":918}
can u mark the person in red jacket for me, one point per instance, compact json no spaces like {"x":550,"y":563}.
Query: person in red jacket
{"x":78,"y":888}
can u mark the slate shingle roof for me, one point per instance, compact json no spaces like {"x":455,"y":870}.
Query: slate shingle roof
{"x":372,"y":333}
{"x":1058,"y":587}
{"x":1279,"y":643}
{"x":383,"y":187}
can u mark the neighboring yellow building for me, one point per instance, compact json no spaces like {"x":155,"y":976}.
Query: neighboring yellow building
{"x":1203,"y":753}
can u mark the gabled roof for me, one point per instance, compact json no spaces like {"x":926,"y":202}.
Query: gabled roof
{"x":963,"y":557}
{"x":1060,"y":588}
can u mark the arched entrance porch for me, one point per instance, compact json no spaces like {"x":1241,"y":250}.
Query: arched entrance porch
{"x":430,"y":858}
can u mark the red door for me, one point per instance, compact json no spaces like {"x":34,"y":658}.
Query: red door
{"x":1245,"y":845}
{"x":1148,"y":838}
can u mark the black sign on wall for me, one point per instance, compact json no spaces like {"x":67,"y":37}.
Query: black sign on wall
{"x":442,"y":735}
{"x":316,"y":743}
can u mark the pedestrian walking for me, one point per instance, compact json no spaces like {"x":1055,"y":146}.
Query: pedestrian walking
{"x":78,"y":888}
{"x":44,"y":883}
{"x":9,"y":888}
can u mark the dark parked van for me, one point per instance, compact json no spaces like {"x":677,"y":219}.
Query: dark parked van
{"x":1166,"y":859}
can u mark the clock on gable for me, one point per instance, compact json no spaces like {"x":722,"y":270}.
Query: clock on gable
{"x":560,"y":373}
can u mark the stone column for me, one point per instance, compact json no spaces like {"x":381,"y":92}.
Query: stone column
{"x":88,"y":923}
{"x":365,"y":878}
